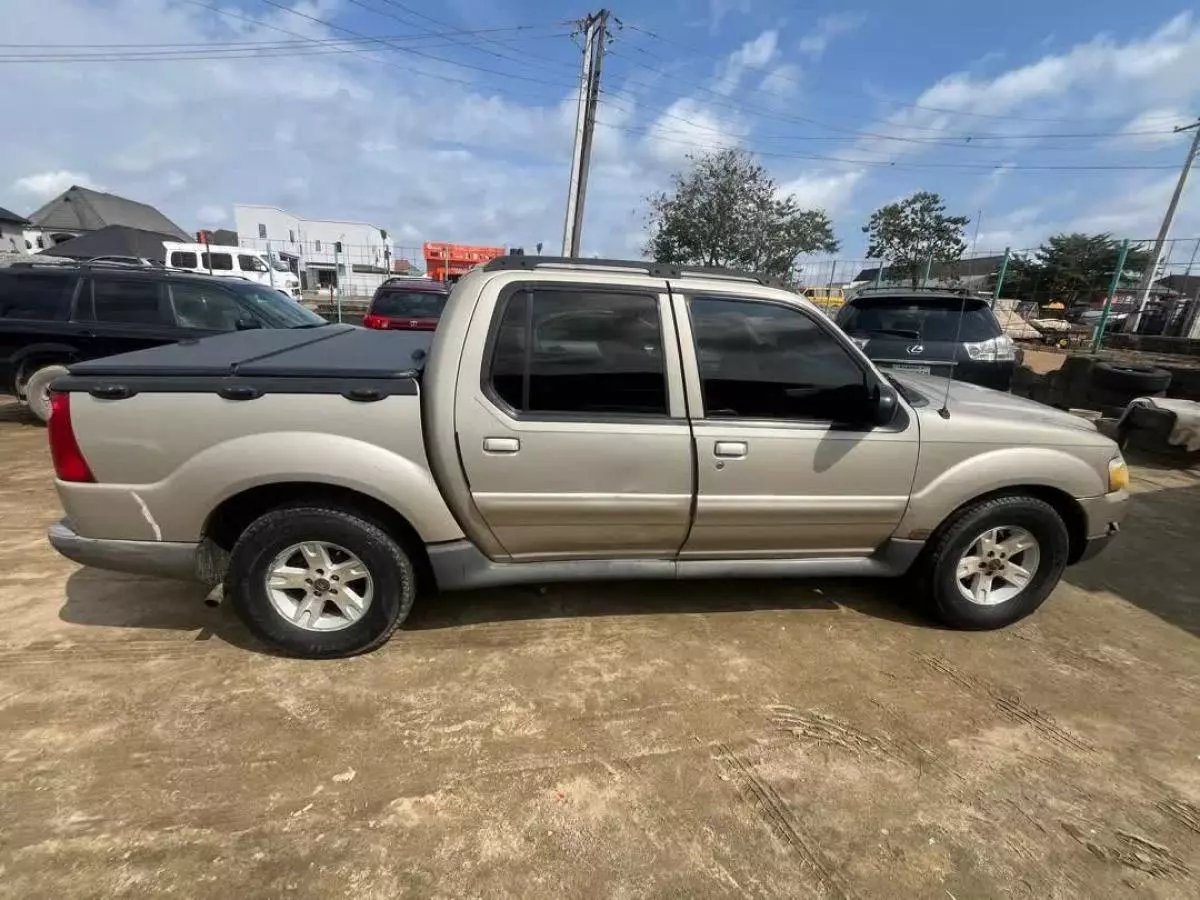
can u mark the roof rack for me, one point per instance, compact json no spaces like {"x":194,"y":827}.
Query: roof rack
{"x":655,"y":269}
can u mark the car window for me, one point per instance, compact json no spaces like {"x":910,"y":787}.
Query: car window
{"x":205,"y":306}
{"x":221,"y":262}
{"x":275,"y":308}
{"x":931,"y":318}
{"x":41,"y":296}
{"x":580,"y":352}
{"x":128,"y":301}
{"x":249,"y":263}
{"x":183,"y":259}
{"x":409,"y":304}
{"x":762,"y":360}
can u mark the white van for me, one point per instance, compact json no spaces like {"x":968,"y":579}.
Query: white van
{"x":233,"y":262}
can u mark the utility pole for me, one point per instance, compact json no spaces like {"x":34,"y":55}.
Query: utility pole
{"x":1165,"y":230}
{"x":595,"y":28}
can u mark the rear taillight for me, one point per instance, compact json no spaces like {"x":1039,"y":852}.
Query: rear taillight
{"x":69,"y":464}
{"x":374,"y":321}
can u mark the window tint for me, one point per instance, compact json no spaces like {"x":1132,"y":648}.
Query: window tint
{"x":204,"y":306}
{"x":46,"y":297}
{"x":248,"y":263}
{"x":181,"y":259}
{"x":930,"y":318}
{"x":564,"y":351}
{"x":134,"y":302}
{"x":221,"y":262}
{"x":767,"y":361}
{"x":411,"y":304}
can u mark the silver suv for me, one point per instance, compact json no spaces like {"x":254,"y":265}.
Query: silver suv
{"x":569,"y":420}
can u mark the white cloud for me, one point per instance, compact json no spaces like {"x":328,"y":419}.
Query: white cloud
{"x":687,"y":127}
{"x":751,"y":56}
{"x":817,"y":41}
{"x":818,"y":190}
{"x":1152,"y":128}
{"x":781,"y":82}
{"x":211,"y":214}
{"x":44,"y":186}
{"x":719,"y":9}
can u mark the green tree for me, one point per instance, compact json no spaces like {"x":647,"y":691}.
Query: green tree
{"x":1070,"y":267}
{"x":913,"y":231}
{"x":726,"y":210}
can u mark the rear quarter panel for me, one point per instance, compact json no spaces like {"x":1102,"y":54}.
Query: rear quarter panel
{"x":164,"y":461}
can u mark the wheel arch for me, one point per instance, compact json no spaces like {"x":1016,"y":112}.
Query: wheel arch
{"x":1067,"y":507}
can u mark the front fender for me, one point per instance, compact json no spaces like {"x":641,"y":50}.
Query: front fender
{"x":936,"y":493}
{"x":176,"y":508}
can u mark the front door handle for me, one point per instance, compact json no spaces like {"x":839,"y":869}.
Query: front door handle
{"x":730,"y":449}
{"x":501,"y":445}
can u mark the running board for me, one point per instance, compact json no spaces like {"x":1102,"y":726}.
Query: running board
{"x":460,"y":565}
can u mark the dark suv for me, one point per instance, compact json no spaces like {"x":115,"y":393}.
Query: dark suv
{"x":54,"y":315}
{"x":410,"y":304}
{"x":938,"y":333}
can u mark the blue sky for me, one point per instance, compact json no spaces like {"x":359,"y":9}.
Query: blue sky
{"x":466,"y":137}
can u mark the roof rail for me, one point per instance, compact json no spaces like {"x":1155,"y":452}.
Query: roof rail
{"x":655,"y":269}
{"x":908,"y":289}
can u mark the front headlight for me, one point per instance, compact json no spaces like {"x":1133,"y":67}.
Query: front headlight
{"x":997,"y":349}
{"x":1118,"y":475}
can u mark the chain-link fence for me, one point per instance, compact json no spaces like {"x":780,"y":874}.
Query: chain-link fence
{"x":1062,"y":292}
{"x":340,"y":269}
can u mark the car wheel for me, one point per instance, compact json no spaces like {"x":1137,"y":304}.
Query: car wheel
{"x":318,"y":582}
{"x":37,"y":390}
{"x":1131,"y":379}
{"x":995,"y":561}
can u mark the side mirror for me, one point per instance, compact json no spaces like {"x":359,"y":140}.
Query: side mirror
{"x":884,"y":405}
{"x":247,"y":324}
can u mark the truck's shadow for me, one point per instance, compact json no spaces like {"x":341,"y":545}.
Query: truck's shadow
{"x":107,"y":599}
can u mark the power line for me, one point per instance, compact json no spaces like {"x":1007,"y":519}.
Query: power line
{"x":884,"y":164}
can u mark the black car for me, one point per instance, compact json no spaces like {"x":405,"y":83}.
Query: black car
{"x":54,"y":315}
{"x":938,"y":333}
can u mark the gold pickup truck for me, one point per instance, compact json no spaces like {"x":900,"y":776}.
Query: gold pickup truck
{"x":569,"y":420}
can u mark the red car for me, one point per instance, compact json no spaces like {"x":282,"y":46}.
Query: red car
{"x":408,"y":304}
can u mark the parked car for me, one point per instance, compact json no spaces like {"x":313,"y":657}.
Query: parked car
{"x":233,"y":262}
{"x":408,"y":304}
{"x":939,"y":333}
{"x":52,"y":315}
{"x":568,"y":420}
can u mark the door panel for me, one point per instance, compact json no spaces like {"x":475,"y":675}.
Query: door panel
{"x":775,"y":476}
{"x":597,"y":481}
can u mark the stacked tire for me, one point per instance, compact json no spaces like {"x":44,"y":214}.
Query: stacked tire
{"x":1113,"y":385}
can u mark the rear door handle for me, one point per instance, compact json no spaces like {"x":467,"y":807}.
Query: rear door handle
{"x":730,"y":449}
{"x":501,"y":445}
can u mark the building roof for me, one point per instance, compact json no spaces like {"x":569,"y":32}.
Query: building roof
{"x":114,"y":240}
{"x":7,"y":215}
{"x":954,"y":268}
{"x":82,"y":209}
{"x":1185,"y":285}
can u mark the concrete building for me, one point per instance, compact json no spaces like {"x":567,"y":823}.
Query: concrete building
{"x":309,"y":247}
{"x":12,"y":231}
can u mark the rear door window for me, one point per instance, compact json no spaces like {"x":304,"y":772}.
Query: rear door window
{"x":184,"y":259}
{"x":930,"y":319}
{"x":220,"y":262}
{"x":127,"y":301}
{"x":40,"y":296}
{"x":409,"y":304}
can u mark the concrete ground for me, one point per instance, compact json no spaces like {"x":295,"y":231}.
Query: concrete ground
{"x":733,"y":739}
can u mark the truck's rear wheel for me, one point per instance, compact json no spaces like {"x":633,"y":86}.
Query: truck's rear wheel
{"x":994,"y":562}
{"x":320,"y":582}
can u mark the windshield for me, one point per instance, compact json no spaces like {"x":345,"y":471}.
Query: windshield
{"x":280,"y":266}
{"x":277,"y":310}
{"x":926,"y":318}
{"x":410,"y":304}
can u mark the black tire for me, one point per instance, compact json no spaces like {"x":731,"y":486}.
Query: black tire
{"x":1130,"y":379}
{"x":936,"y":576}
{"x":388,"y":562}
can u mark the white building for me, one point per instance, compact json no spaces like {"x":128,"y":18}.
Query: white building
{"x":310,"y":247}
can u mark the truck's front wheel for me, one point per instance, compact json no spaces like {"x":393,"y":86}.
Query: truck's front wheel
{"x":320,"y":582}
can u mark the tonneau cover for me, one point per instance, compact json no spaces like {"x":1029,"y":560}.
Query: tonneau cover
{"x":334,"y":351}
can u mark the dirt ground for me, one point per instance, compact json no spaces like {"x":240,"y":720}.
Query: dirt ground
{"x":733,"y":739}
